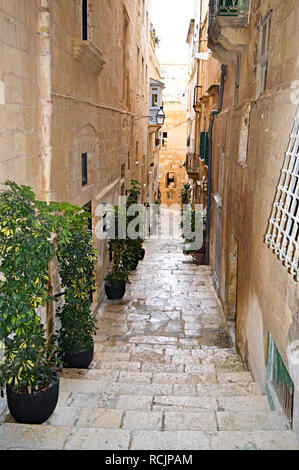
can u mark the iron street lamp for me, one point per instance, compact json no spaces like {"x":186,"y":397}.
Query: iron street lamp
{"x":160,"y":117}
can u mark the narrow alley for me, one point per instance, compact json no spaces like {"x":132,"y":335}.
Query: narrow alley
{"x":164,"y":374}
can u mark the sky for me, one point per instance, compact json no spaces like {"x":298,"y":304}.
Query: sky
{"x":171,"y":20}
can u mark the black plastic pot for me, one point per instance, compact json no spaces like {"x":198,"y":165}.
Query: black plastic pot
{"x":80,"y":360}
{"x":35,"y":408}
{"x":134,"y":264}
{"x":115,"y":292}
{"x":142,"y":254}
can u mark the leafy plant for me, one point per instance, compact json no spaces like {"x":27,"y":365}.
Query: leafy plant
{"x":120,"y":270}
{"x":134,"y":245}
{"x":77,"y":259}
{"x":26,"y":250}
{"x":192,"y":220}
{"x":186,"y":193}
{"x":133,"y":193}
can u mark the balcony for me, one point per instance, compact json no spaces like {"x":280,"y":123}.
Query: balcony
{"x":197,"y":98}
{"x":89,"y":55}
{"x":228,"y":31}
{"x":192,"y":166}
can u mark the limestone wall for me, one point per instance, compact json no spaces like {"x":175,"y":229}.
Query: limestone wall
{"x":256,"y":289}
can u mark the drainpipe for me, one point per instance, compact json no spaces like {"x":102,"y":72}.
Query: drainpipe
{"x":45,"y":98}
{"x":210,"y":155}
{"x":46,"y":107}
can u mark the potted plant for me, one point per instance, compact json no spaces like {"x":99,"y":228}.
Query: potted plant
{"x":116,"y":279}
{"x":192,"y":220}
{"x":186,"y":193}
{"x":77,"y":259}
{"x":135,"y":251}
{"x":28,"y":366}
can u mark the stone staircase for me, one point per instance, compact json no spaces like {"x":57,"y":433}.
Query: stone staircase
{"x":148,"y":397}
{"x":164,"y":375}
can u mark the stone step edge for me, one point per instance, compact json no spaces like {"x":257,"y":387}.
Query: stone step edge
{"x":57,"y":437}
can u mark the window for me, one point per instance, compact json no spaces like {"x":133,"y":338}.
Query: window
{"x":264,"y":52}
{"x":84,"y":168}
{"x":283,"y":231}
{"x":129,"y":161}
{"x":204,"y":147}
{"x":157,"y":139}
{"x":85,"y":20}
{"x":154,"y":100}
{"x":280,"y":380}
{"x":104,"y":222}
{"x":123,"y":171}
{"x":170,"y":180}
{"x":237,"y":79}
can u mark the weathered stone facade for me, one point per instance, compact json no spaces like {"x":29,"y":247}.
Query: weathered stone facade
{"x":173,"y":153}
{"x":250,"y":138}
{"x":74,"y":78}
{"x":203,"y":93}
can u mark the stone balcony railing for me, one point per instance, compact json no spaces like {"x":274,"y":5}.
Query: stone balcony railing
{"x":192,"y":166}
{"x":228,"y":30}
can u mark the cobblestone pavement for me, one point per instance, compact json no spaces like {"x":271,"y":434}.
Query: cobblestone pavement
{"x":164,"y":374}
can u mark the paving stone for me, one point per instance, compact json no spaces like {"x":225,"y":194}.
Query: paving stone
{"x":146,"y":420}
{"x":64,"y":416}
{"x":249,"y":421}
{"x":88,"y":400}
{"x":98,"y":439}
{"x":99,"y":418}
{"x":234,"y":377}
{"x":135,"y":377}
{"x":195,"y":421}
{"x":258,"y":440}
{"x":37,"y":437}
{"x":120,"y":365}
{"x":169,"y":440}
{"x":184,"y":403}
{"x":185,"y":389}
{"x":127,"y":402}
{"x":244,"y":403}
{"x":167,"y":368}
{"x":87,"y":374}
{"x":228,"y":389}
{"x":145,"y":389}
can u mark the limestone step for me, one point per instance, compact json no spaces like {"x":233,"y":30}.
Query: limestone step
{"x":49,"y":437}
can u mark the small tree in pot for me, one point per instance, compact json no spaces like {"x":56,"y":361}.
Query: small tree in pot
{"x":25,"y":249}
{"x":134,"y":245}
{"x":77,"y":259}
{"x":118,"y":276}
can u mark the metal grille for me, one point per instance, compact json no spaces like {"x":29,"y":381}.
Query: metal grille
{"x":283,"y":230}
{"x":282,"y":383}
{"x":227,"y":8}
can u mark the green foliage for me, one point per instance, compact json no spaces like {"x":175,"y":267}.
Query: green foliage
{"x":32,"y":232}
{"x":26,"y":250}
{"x":124,"y":250}
{"x":186,"y":193}
{"x":120,"y":269}
{"x":77,"y":259}
{"x":134,"y":245}
{"x":133,"y":193}
{"x":197,"y":220}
